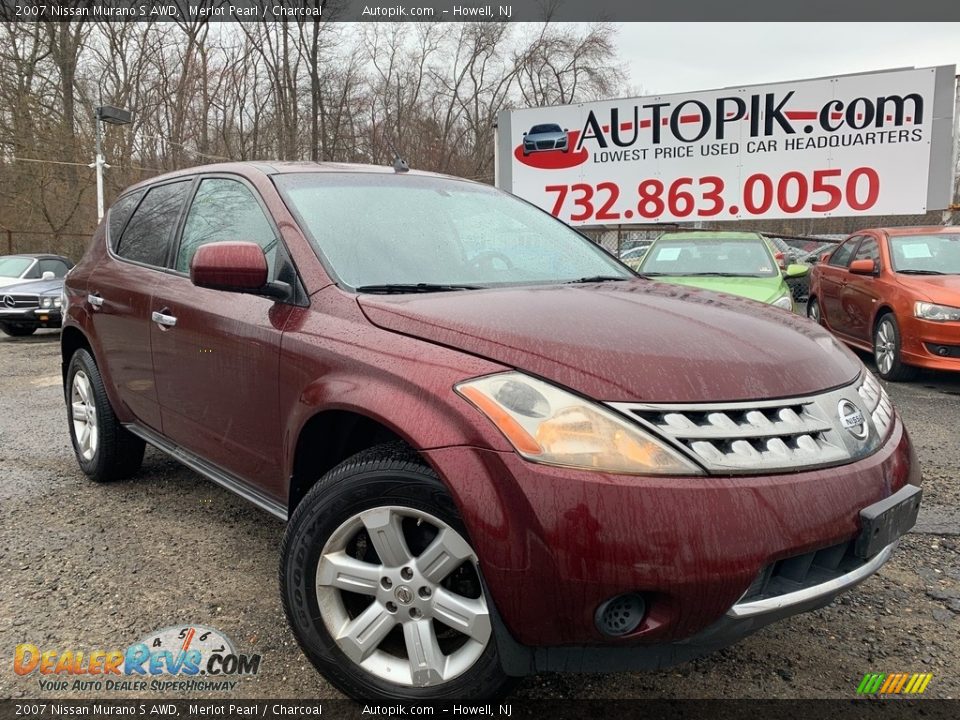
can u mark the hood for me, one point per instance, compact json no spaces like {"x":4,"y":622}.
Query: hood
{"x":629,"y":341}
{"x":34,"y":287}
{"x":761,"y":289}
{"x":939,"y":289}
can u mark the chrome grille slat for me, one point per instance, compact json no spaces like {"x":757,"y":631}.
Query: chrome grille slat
{"x":787,"y":434}
{"x":19,"y":301}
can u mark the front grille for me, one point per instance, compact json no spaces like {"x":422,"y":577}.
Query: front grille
{"x":878,"y":403}
{"x":755,"y":437}
{"x":545,"y":145}
{"x":803,"y":571}
{"x":11,"y":301}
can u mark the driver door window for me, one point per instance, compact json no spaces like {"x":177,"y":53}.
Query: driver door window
{"x":225,"y":210}
{"x":842,"y":255}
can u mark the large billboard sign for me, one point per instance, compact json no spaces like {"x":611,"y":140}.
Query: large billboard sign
{"x":869,"y":144}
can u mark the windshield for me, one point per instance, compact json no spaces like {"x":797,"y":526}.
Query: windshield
{"x":545,"y":129}
{"x":928,"y":254}
{"x":379,"y":229}
{"x":708,"y":256}
{"x":13,"y":267}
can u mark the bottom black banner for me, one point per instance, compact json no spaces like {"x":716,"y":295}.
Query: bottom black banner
{"x":892,"y":709}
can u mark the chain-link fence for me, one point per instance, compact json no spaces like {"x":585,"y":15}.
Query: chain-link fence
{"x":70,"y":245}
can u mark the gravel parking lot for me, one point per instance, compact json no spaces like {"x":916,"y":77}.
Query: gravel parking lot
{"x":100,"y":566}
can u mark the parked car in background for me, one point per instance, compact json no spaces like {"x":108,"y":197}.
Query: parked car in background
{"x":492,"y":462}
{"x":634,"y":256}
{"x":548,"y":136}
{"x":27,"y":307}
{"x":894,"y":292}
{"x":738,"y":263}
{"x":31,"y":266}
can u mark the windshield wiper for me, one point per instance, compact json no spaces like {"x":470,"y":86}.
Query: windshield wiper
{"x":596,"y":279}
{"x":397,"y":288}
{"x":921,"y":272}
{"x":719,"y":274}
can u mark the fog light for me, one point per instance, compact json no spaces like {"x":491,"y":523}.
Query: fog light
{"x":621,"y":615}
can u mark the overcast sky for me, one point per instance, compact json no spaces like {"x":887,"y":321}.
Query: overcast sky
{"x":678,"y":57}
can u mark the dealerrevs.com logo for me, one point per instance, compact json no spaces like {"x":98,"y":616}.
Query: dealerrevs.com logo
{"x":200,"y":658}
{"x":760,"y":115}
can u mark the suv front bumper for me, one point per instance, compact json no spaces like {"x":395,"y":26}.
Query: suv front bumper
{"x":555,"y":543}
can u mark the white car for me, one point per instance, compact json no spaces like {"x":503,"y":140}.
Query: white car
{"x":31,"y":266}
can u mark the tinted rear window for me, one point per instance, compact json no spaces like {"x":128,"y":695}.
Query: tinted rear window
{"x":147,"y":236}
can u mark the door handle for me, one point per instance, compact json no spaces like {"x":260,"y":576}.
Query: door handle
{"x":95,"y":300}
{"x":163,"y":320}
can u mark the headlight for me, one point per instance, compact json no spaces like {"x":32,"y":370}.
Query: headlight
{"x":552,"y":426}
{"x":942,"y":313}
{"x":46,"y":302}
{"x":785,"y":302}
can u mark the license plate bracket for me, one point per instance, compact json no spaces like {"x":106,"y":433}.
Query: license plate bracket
{"x":885,"y":521}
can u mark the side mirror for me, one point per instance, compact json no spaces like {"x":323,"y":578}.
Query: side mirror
{"x":796,"y":270}
{"x":825,"y":257}
{"x":231,"y":266}
{"x":48,"y":275}
{"x":524,"y":134}
{"x":566,"y":129}
{"x":863,"y":267}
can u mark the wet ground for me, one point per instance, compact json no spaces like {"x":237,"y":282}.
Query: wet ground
{"x":86,"y":566}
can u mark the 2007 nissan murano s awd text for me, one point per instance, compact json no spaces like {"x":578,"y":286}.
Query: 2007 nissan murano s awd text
{"x":499,"y":451}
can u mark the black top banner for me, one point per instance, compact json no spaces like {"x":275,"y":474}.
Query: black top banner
{"x":191,"y":11}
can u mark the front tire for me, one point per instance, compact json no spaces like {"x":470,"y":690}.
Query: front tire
{"x":887,"y":351}
{"x":105,"y":450}
{"x":381,"y":585}
{"x":18,"y":330}
{"x":813,"y":311}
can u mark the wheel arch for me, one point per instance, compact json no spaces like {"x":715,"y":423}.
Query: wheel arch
{"x":72,"y":339}
{"x":883,"y":309}
{"x":329,"y":437}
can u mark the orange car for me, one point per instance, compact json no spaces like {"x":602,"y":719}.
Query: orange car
{"x":896,"y":293}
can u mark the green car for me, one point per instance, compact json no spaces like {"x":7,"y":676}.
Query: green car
{"x":737,"y":263}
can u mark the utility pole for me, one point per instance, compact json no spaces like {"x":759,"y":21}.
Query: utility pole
{"x":955,"y":176}
{"x":114,"y":116}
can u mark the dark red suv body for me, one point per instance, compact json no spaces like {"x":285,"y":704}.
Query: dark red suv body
{"x":507,"y":416}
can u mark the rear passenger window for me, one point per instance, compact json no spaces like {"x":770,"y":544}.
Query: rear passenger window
{"x":147,"y":236}
{"x":120,"y":213}
{"x":225,"y":210}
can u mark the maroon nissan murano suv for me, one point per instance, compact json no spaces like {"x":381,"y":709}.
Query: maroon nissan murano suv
{"x":498,"y":450}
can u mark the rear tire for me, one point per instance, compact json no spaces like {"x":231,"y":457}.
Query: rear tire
{"x":18,"y":330}
{"x":813,"y":311}
{"x":105,"y":450}
{"x":887,"y":351}
{"x":371,"y":561}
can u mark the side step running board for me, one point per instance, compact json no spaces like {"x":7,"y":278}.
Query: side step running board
{"x":211,"y":472}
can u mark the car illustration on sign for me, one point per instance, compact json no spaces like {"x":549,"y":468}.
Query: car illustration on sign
{"x":547,"y":136}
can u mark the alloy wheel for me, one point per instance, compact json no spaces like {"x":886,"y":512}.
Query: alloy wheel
{"x":83,"y":413}
{"x":885,"y":346}
{"x":399,"y":592}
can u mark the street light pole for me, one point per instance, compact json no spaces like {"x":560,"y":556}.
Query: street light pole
{"x":98,"y":162}
{"x":114,"y":116}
